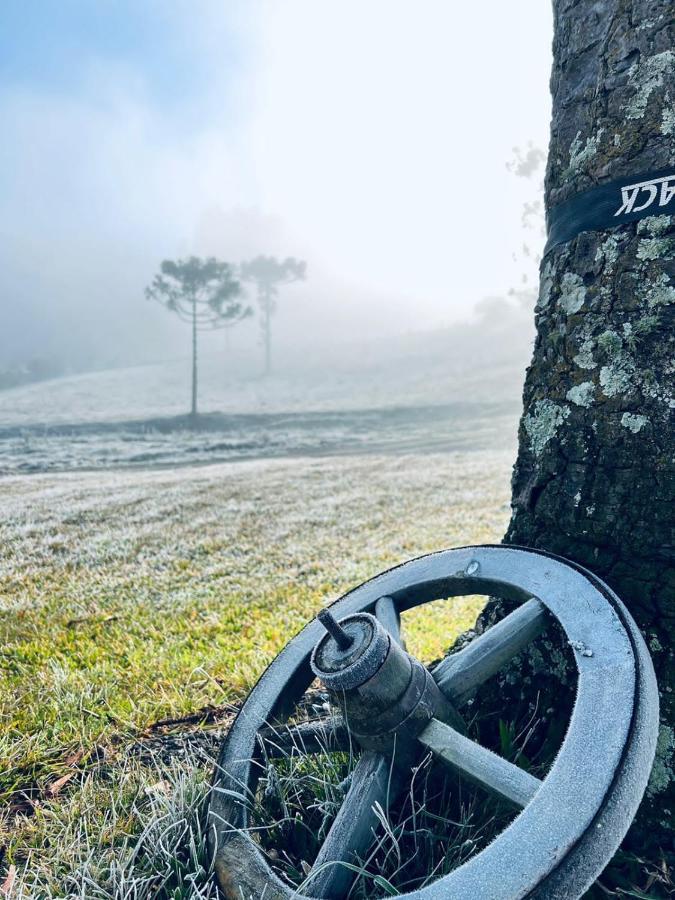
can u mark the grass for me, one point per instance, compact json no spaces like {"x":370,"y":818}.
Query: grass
{"x":434,"y":826}
{"x":130,"y":830}
{"x":131,"y":598}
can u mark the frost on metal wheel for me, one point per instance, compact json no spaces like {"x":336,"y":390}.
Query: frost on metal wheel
{"x":571,"y":822}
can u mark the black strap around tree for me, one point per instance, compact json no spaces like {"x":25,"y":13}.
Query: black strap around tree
{"x":608,"y":205}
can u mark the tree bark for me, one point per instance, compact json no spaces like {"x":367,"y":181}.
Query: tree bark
{"x":267,"y":329}
{"x":595,"y":475}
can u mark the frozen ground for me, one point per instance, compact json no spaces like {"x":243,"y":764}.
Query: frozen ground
{"x":153,"y":589}
{"x":164,"y":442}
{"x":128,"y":597}
{"x":418,"y":396}
{"x":162,"y":391}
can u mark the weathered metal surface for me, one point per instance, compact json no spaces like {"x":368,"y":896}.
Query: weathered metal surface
{"x":480,"y":765}
{"x":385,"y":700}
{"x":553,"y":849}
{"x":343,"y":640}
{"x":580,"y":867}
{"x":345,"y":668}
{"x":404,"y":719}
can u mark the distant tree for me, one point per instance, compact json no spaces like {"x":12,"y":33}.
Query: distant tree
{"x":203,"y":292}
{"x":269,"y":274}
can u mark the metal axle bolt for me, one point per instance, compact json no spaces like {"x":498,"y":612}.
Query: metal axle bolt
{"x":335,"y":630}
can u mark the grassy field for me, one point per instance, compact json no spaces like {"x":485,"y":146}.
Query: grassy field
{"x":132,"y":598}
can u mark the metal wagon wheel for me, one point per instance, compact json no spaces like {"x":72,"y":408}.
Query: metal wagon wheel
{"x":571,"y":822}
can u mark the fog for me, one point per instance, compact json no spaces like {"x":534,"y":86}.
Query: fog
{"x":370,"y":139}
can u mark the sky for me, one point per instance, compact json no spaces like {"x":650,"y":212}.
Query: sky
{"x":369,"y":137}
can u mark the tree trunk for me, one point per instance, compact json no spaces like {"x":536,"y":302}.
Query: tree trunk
{"x":193,"y":407}
{"x":595,"y":476}
{"x":267,"y":330}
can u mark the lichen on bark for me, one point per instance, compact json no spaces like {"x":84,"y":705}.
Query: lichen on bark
{"x":595,"y":475}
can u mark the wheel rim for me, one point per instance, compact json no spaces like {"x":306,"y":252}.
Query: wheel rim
{"x":590,"y":782}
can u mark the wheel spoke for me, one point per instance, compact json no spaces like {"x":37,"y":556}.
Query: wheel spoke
{"x":459,"y":674}
{"x":374,"y":781}
{"x":327,"y":734}
{"x":479,"y":764}
{"x":386,"y":613}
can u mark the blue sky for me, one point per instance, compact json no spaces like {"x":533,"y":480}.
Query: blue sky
{"x":53,"y":47}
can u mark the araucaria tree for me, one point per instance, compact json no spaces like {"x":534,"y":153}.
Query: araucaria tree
{"x":269,"y":274}
{"x":595,"y":476}
{"x":203,"y":292}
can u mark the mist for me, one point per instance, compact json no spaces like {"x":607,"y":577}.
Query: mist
{"x":367,"y":139}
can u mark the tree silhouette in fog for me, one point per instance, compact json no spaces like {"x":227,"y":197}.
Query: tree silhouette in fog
{"x":268,"y":274}
{"x":203,"y":292}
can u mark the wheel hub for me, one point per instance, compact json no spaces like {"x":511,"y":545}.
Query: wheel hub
{"x":386,"y":695}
